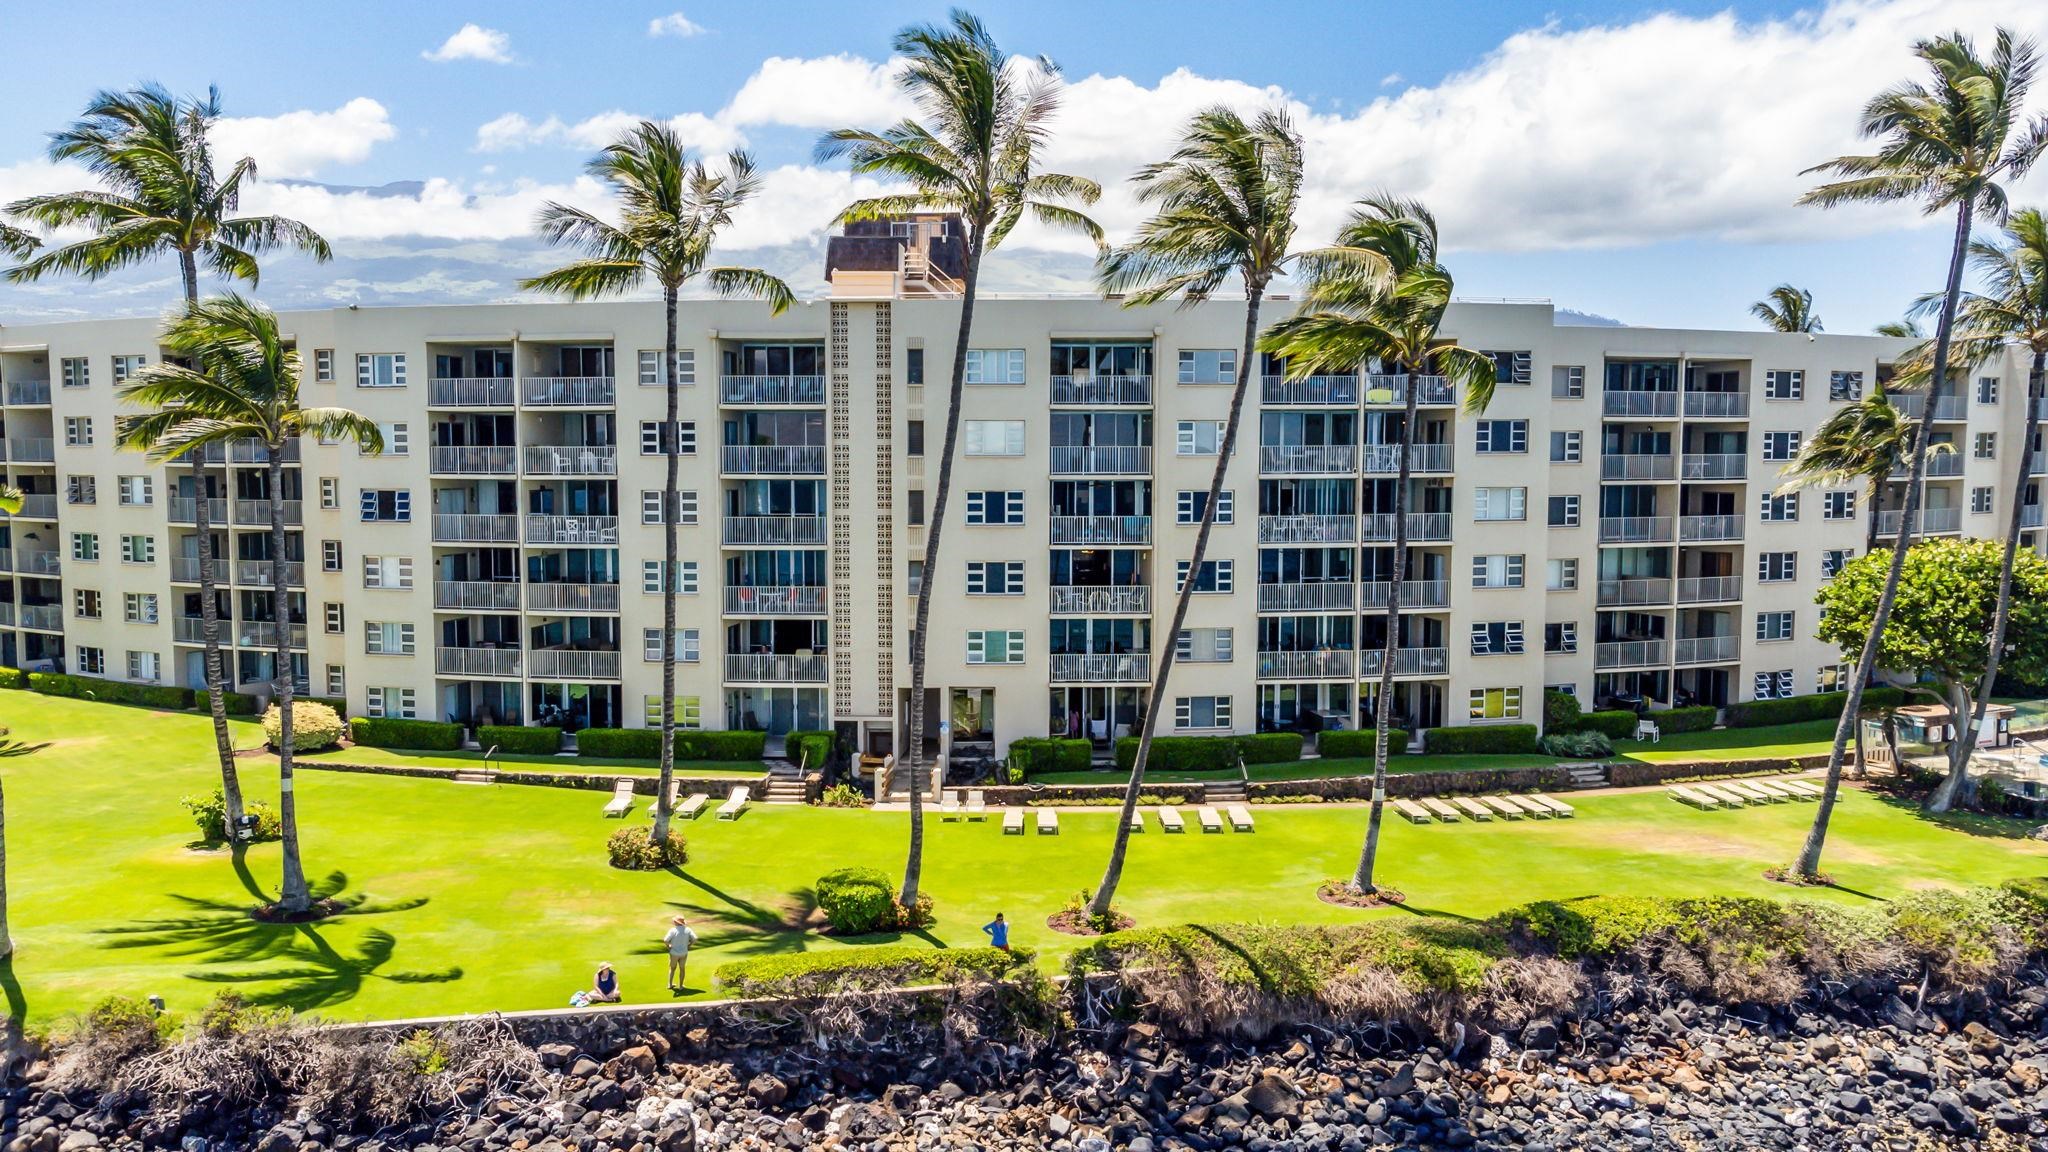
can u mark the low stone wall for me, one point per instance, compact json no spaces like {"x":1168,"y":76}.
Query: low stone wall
{"x":1107,"y":795}
{"x":1473,"y":781}
{"x":596,"y":781}
{"x":1630,"y":774}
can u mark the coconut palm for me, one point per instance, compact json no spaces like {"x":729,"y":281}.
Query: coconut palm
{"x":1350,"y":314}
{"x":1905,"y":329}
{"x":1860,"y":443}
{"x":986,"y":116}
{"x":243,"y":385}
{"x":671,"y":210}
{"x":6,"y":936}
{"x":160,"y":195}
{"x":1787,"y":309}
{"x":16,"y":242}
{"x":1947,"y":144}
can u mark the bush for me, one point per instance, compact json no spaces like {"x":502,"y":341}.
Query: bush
{"x":1270,"y":747}
{"x":13,"y":678}
{"x":1037,"y":755}
{"x":210,"y":813}
{"x":384,"y":732}
{"x":735,"y":745}
{"x":1697,"y":718}
{"x":634,"y":849}
{"x":1560,"y":711}
{"x":338,"y":703}
{"x":842,"y":796}
{"x":1615,"y":725}
{"x":1481,"y":740}
{"x":1180,"y":753}
{"x":619,"y":743}
{"x":110,"y":691}
{"x":1798,"y":709}
{"x":870,"y":968}
{"x":1360,"y":744}
{"x":812,"y":751}
{"x":314,"y":726}
{"x":856,"y":900}
{"x":1583,"y":745}
{"x":237,"y":704}
{"x":520,"y":740}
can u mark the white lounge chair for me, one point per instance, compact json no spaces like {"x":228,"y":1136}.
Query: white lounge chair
{"x":1137,"y":819}
{"x":1473,"y":808}
{"x":977,"y":805}
{"x":1170,"y":821}
{"x":1806,"y":788}
{"x":735,"y":804}
{"x":1414,"y":812}
{"x":1501,"y":805}
{"x":1013,"y":821}
{"x":1048,"y":822}
{"x":622,"y":799}
{"x":1724,"y":794}
{"x":1211,"y":822}
{"x":1240,"y":817}
{"x":692,"y":805}
{"x":1440,"y":810}
{"x":1772,"y":789}
{"x":1750,"y":792}
{"x":949,"y":806}
{"x":1694,"y":797}
{"x":1557,"y":807}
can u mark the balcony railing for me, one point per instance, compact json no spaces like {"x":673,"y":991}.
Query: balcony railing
{"x":773,"y":529}
{"x":263,"y":634}
{"x":1311,"y":391}
{"x":542,"y":529}
{"x":1715,"y":466}
{"x":1102,"y":459}
{"x":741,"y":391}
{"x":1707,"y":649}
{"x":192,"y":630}
{"x":772,"y":459}
{"x":1654,"y":405}
{"x":32,"y":450}
{"x":46,"y":562}
{"x":484,"y":595}
{"x":1328,"y":596}
{"x":474,"y":460}
{"x":1103,"y":390}
{"x":1931,"y":520}
{"x":1629,"y":592}
{"x":1912,"y":404}
{"x":1709,"y":589}
{"x":6,"y":561}
{"x":185,"y":510}
{"x":1940,"y":464}
{"x":1102,"y":529}
{"x":1704,"y":529}
{"x":775,"y":668}
{"x":1638,"y":466}
{"x":1385,"y":459}
{"x":28,"y":392}
{"x":786,"y":600}
{"x":472,"y":392}
{"x":43,"y":617}
{"x":1101,"y":667}
{"x":1632,"y":654}
{"x":471,"y":528}
{"x":256,"y":513}
{"x":1712,"y":404}
{"x":185,"y":570}
{"x":1308,"y":529}
{"x":1392,"y":388}
{"x":1635,"y":529}
{"x":476,"y":662}
{"x":1407,"y":661}
{"x":1414,"y":593}
{"x":572,"y":460}
{"x":6,"y":613}
{"x":39,"y":507}
{"x":1101,"y":599}
{"x":1331,"y":665}
{"x":1298,"y":459}
{"x":1423,"y":527}
{"x":261,"y":573}
{"x":2030,"y":515}
{"x":572,"y":664}
{"x":568,"y":391}
{"x":567,"y":597}
{"x":257,"y":452}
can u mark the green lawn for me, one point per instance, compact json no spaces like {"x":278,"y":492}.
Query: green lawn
{"x":478,"y":898}
{"x":400,"y":757}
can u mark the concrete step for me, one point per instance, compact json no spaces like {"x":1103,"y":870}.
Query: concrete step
{"x":1588,"y":775}
{"x":476,"y":777}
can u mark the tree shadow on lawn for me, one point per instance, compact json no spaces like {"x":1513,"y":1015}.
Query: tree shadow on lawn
{"x":21,"y":748}
{"x":17,"y":1001}
{"x":1969,"y":823}
{"x":750,"y":929}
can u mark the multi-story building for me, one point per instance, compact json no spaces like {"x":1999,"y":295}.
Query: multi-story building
{"x":1610,"y":526}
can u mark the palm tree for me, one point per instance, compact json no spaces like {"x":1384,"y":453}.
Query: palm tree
{"x":13,"y":242}
{"x":671,"y":210}
{"x":1860,"y":443}
{"x":1906,"y":329}
{"x":244,"y":385}
{"x":6,"y":936}
{"x":975,"y":153}
{"x":1787,"y":309}
{"x":1349,"y":316}
{"x":16,"y":242}
{"x":160,"y":196}
{"x":1946,"y":145}
{"x":1225,"y":207}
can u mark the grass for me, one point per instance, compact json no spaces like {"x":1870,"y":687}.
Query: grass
{"x":400,"y":757}
{"x":480,"y":898}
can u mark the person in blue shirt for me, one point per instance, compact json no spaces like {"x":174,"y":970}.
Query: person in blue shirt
{"x":605,"y":989}
{"x":998,"y":932}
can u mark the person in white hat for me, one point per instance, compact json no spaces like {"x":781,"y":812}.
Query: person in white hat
{"x":605,"y":988}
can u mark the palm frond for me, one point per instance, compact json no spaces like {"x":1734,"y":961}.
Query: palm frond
{"x":753,"y":282}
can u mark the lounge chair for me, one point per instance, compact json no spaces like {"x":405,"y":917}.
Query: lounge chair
{"x":1137,"y":820}
{"x":1695,"y":798}
{"x":1240,"y":817}
{"x":1013,"y":821}
{"x":622,"y":799}
{"x":1806,"y":788}
{"x":690,"y":807}
{"x":1413,"y":811}
{"x":1211,"y":822}
{"x":1557,"y":807}
{"x":1440,"y":810}
{"x":1472,"y":808}
{"x":977,"y":805}
{"x":1048,"y":822}
{"x":1535,"y":811}
{"x":1750,"y":792}
{"x":735,"y":804}
{"x":1501,"y":805}
{"x":1725,"y":795}
{"x":1170,"y":821}
{"x":949,"y":806}
{"x":1772,"y":789}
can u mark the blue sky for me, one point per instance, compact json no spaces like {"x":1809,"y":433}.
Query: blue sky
{"x":1621,"y":159}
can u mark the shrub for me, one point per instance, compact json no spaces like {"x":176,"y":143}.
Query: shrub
{"x":314,"y":726}
{"x":1798,"y":709}
{"x":1615,"y":725}
{"x":842,"y":796}
{"x":238,"y":704}
{"x":1036,"y":755}
{"x":338,"y":703}
{"x":1359,"y":744}
{"x":13,"y":678}
{"x":210,"y":813}
{"x":520,"y":740}
{"x":870,"y":968}
{"x":1482,"y":740}
{"x":385,"y":732}
{"x":1270,"y":747}
{"x":1560,"y":711}
{"x":1698,"y":718}
{"x":735,"y":745}
{"x":634,"y":849}
{"x":619,"y":743}
{"x":1180,"y":753}
{"x":110,"y":691}
{"x":856,"y":900}
{"x":1587,"y":744}
{"x":810,"y":750}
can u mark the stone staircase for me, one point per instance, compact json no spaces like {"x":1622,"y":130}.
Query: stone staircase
{"x":1229,"y":791}
{"x":785,"y":783}
{"x":1588,"y":775}
{"x":476,"y":776}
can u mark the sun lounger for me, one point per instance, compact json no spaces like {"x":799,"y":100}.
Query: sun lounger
{"x":690,"y":807}
{"x":1726,"y":795}
{"x":1240,"y":817}
{"x":1806,"y":788}
{"x":977,"y":805}
{"x":1013,"y":821}
{"x":1048,"y":822}
{"x":1137,"y":819}
{"x":1500,"y":804}
{"x":1750,"y":792}
{"x":1695,"y":798}
{"x":1528,"y":809}
{"x":735,"y":804}
{"x":1211,"y":822}
{"x":1170,"y":821}
{"x":1440,"y":810}
{"x":1557,"y":807}
{"x":622,"y":799}
{"x":1772,"y":789}
{"x":1413,"y":811}
{"x":949,"y":806}
{"x":1473,"y":808}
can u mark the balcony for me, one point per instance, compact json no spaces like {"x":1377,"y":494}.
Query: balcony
{"x":185,"y":570}
{"x":263,"y":634}
{"x":1631,"y":654}
{"x":1308,"y":529}
{"x":32,"y":450}
{"x":471,"y":392}
{"x":1102,"y":529}
{"x":1101,"y":667}
{"x":257,"y":452}
{"x":2030,"y":515}
{"x":1101,"y":599}
{"x":41,"y":507}
{"x":473,"y":460}
{"x":1709,"y":589}
{"x":1649,"y":405}
{"x":1414,"y":594}
{"x":1307,"y":459}
{"x":6,"y":561}
{"x":775,"y":668}
{"x":6,"y":613}
{"x":1385,"y":388}
{"x":28,"y":393}
{"x":1326,"y":596}
{"x":741,"y":530}
{"x":567,"y":597}
{"x":577,"y":530}
{"x":1707,"y":650}
{"x":572,"y":664}
{"x":470,"y":528}
{"x":503,"y":662}
{"x":1102,"y":459}
{"x":771,"y":391}
{"x":1708,"y":529}
{"x":772,"y":459}
{"x":787,"y":600}
{"x":1932,"y":520}
{"x":1912,"y":404}
{"x":1945,"y":465}
{"x":1638,"y":466}
{"x":1105,"y":391}
{"x":572,"y":460}
{"x":476,"y":595}
{"x":45,"y":562}
{"x":568,"y":391}
{"x":192,"y":630}
{"x":261,"y":573}
{"x":1407,"y":661}
{"x":1326,"y":665}
{"x":1715,"y":466}
{"x":185,"y":510}
{"x":1385,"y":459}
{"x":1310,"y":391}
{"x":1635,"y":529}
{"x":43,"y":617}
{"x":1626,"y":593}
{"x":1423,"y":527}
{"x":1716,"y":405}
{"x":256,"y":513}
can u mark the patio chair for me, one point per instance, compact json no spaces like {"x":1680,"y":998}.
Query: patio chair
{"x":1557,"y":807}
{"x":976,"y":807}
{"x":1048,"y":822}
{"x":1501,"y":805}
{"x":1170,"y":821}
{"x":1240,"y":817}
{"x":1473,"y":808}
{"x":689,"y":809}
{"x":1440,"y":810}
{"x":1647,"y":730}
{"x":735,"y":804}
{"x":1694,"y":798}
{"x":1211,"y":821}
{"x":622,"y":798}
{"x":1137,"y":820}
{"x":1414,"y":812}
{"x":949,"y":806}
{"x":1013,"y":821}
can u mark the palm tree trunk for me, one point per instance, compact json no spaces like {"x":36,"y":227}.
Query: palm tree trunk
{"x":670,"y":498}
{"x":6,"y":937}
{"x":294,"y":898}
{"x":913,"y":868}
{"x":1916,"y":473}
{"x":1111,"y":876}
{"x":1368,"y":856}
{"x":1877,"y":487}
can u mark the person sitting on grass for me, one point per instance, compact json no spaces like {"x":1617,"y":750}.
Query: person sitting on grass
{"x":605,"y":989}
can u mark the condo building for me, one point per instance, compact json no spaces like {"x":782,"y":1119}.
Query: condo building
{"x":1611,"y":526}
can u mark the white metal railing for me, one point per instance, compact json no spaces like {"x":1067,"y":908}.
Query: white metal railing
{"x":1385,"y":459}
{"x":1931,"y":520}
{"x":1327,"y":596}
{"x":1308,"y":529}
{"x":773,"y":529}
{"x":1713,"y":404}
{"x":1101,"y":667}
{"x":773,"y":459}
{"x":43,"y":617}
{"x":474,"y":459}
{"x":185,"y":510}
{"x":1101,"y":599}
{"x":543,"y":529}
{"x":1715,"y":466}
{"x":28,"y":391}
{"x":256,"y":513}
{"x":2030,"y":515}
{"x":477,"y":661}
{"x":777,"y":668}
{"x":475,"y":528}
{"x":1328,"y":391}
{"x":1708,"y":589}
{"x":6,"y":613}
{"x":263,"y":634}
{"x":1637,"y":590}
{"x":1306,"y":665}
{"x":32,"y":450}
{"x":1423,"y":527}
{"x":568,"y":391}
{"x":1392,"y":388}
{"x":746,"y":390}
{"x":1102,"y":459}
{"x":1632,"y":654}
{"x":192,"y":630}
{"x":45,"y":562}
{"x":572,"y":460}
{"x":1289,"y":459}
{"x":569,"y":597}
{"x":1414,"y":593}
{"x":38,"y":507}
{"x":1942,"y":464}
{"x":1104,"y":390}
{"x":262,"y":573}
{"x":770,"y":600}
{"x":1706,"y":649}
{"x":185,"y":570}
{"x":1912,"y":404}
{"x":488,"y":595}
{"x":1638,"y":466}
{"x":257,"y":452}
{"x":472,"y":392}
{"x":1695,"y":529}
{"x":1407,"y":661}
{"x":1655,"y":405}
{"x":572,"y":664}
{"x":1102,"y":529}
{"x":1635,"y":529}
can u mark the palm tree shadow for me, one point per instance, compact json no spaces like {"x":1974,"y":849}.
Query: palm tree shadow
{"x":1968,"y":823}
{"x":316,"y":974}
{"x":17,"y":1001}
{"x":19,"y":748}
{"x":747,"y":928}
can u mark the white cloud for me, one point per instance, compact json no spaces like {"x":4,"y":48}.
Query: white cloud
{"x":473,"y":42}
{"x":675,"y":24}
{"x":302,"y":143}
{"x":513,"y":132}
{"x":819,"y":92}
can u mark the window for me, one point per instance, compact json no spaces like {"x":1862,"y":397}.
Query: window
{"x":1562,"y":575}
{"x":1781,"y":446}
{"x":387,"y":572}
{"x":138,"y":549}
{"x":380,"y":370}
{"x":1500,"y":503}
{"x":1784,"y":384}
{"x":144,"y":666}
{"x":1208,"y":365}
{"x":391,"y":703}
{"x":337,"y":681}
{"x":1845,"y":385}
{"x":913,"y":438}
{"x":687,"y":647}
{"x":137,"y":491}
{"x":1217,"y":576}
{"x":1980,"y":499}
{"x":913,"y":367}
{"x":85,"y":546}
{"x":913,"y":576}
{"x":1774,"y":625}
{"x":397,"y":440}
{"x":1510,"y":367}
{"x":1838,"y":505}
{"x":994,"y":366}
{"x":81,"y":490}
{"x":1567,"y":447}
{"x":392,"y":504}
{"x":658,"y":437}
{"x":1497,"y":638}
{"x":1985,"y":447}
{"x":689,"y":711}
{"x":1198,"y":438}
{"x":651,"y":502}
{"x":1498,"y":436}
{"x":993,"y":438}
{"x":387,"y":638}
{"x":78,"y":431}
{"x":1497,"y":571}
{"x":1203,"y":646}
{"x":92,"y":661}
{"x":1987,"y":389}
{"x":323,"y":365}
{"x":685,"y":581}
{"x":1496,"y":704}
{"x":650,"y":367}
{"x":139,"y":607}
{"x":1190,"y":712}
{"x":913,"y":507}
{"x":336,"y":623}
{"x":126,"y":366}
{"x":1774,"y":685}
{"x":1564,"y":511}
{"x":996,"y":647}
{"x":85,"y":603}
{"x":996,"y":507}
{"x":1780,"y":508}
{"x":1833,"y":559}
{"x":1831,"y":678}
{"x":330,"y":555}
{"x":995,"y":578}
{"x":330,"y":492}
{"x":1188,"y":506}
{"x":1777,"y":567}
{"x":75,"y":371}
{"x":1561,"y":638}
{"x":1568,"y":382}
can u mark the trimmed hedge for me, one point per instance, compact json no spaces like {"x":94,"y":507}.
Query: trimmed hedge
{"x":1481,"y":740}
{"x":110,"y":691}
{"x":645,"y":744}
{"x":234,"y":703}
{"x":737,"y":745}
{"x":810,"y":750}
{"x":1561,"y":711}
{"x":1180,"y":753}
{"x":1361,"y":743}
{"x":1798,"y":709}
{"x":1585,"y":744}
{"x":1698,"y":718}
{"x":1033,"y":755}
{"x":1615,"y":724}
{"x":13,"y":678}
{"x":869,"y":968}
{"x":1270,"y":747}
{"x":386,"y":732}
{"x":856,"y":900}
{"x":521,"y":740}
